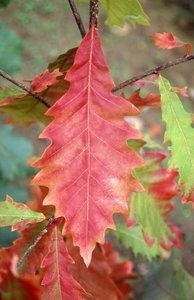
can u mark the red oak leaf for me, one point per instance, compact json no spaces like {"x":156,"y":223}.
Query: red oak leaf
{"x":120,"y":271}
{"x":88,"y":166}
{"x":167,"y":40}
{"x":58,"y":282}
{"x":97,"y":278}
{"x":151,"y":100}
{"x":41,"y":82}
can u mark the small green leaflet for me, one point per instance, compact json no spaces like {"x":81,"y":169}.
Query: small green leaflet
{"x":133,"y":238}
{"x":120,"y":11}
{"x":17,"y":214}
{"x":147,"y":213}
{"x":180,"y":133}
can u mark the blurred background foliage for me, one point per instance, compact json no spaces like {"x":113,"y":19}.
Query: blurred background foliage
{"x":34,"y":33}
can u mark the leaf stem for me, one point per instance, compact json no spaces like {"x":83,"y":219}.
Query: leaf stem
{"x":77,"y":18}
{"x":25,"y":88}
{"x":94,"y":13}
{"x":153,"y":71}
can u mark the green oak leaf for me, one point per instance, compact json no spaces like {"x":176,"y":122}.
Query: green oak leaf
{"x":133,"y":238}
{"x":180,"y":134}
{"x":126,"y":10}
{"x":17,"y":214}
{"x":147,"y":213}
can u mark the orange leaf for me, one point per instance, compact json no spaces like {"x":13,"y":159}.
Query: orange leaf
{"x":167,"y":40}
{"x":41,"y":82}
{"x":88,"y":166}
{"x":151,"y":100}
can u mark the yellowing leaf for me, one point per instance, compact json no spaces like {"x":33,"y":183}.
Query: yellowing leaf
{"x":180,"y":133}
{"x":17,"y":214}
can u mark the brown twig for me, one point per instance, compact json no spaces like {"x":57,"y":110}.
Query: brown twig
{"x":153,"y":71}
{"x":94,"y":13}
{"x":167,"y":292}
{"x":38,"y":238}
{"x":25,"y":88}
{"x":77,"y":18}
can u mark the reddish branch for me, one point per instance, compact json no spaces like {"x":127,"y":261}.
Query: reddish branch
{"x":77,"y":18}
{"x":25,"y":88}
{"x":153,"y":71}
{"x":94,"y":13}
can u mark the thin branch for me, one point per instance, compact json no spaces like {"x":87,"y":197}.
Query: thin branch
{"x":77,"y":18}
{"x":167,"y":292}
{"x":94,"y":13}
{"x":33,"y":245}
{"x":153,"y":71}
{"x":25,"y":88}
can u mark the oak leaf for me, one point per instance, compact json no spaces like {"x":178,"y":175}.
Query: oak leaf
{"x":41,"y":82}
{"x":25,"y":109}
{"x":151,"y":100}
{"x":95,"y":279}
{"x":57,"y":282}
{"x":179,"y":133}
{"x":169,"y":41}
{"x":150,"y":209}
{"x":17,"y":214}
{"x":88,"y":166}
{"x":30,"y":248}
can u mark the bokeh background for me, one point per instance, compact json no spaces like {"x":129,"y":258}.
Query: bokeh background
{"x":32,"y":34}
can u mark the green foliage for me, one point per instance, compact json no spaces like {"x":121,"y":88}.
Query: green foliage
{"x":12,"y":213}
{"x":126,"y":10}
{"x":145,"y":209}
{"x":120,"y":11}
{"x":6,"y":92}
{"x":11,"y":50}
{"x":14,"y":152}
{"x":182,"y":282}
{"x":180,"y":133}
{"x":4,"y":3}
{"x":133,"y":238}
{"x":21,"y":109}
